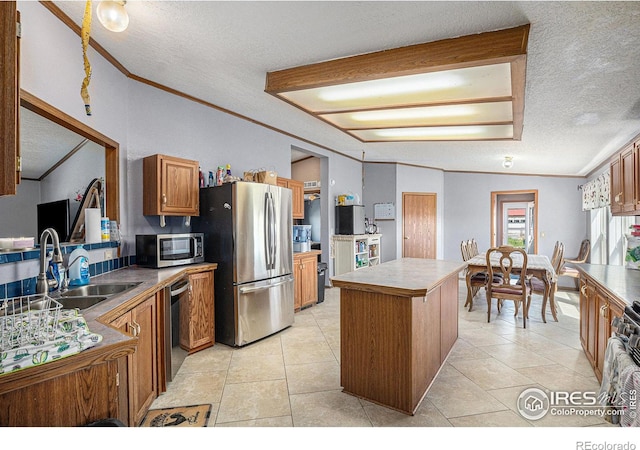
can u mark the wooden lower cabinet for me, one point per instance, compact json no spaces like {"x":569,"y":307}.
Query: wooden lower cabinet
{"x":597,"y":309}
{"x":73,"y":399}
{"x":197,"y":314}
{"x":392,"y":346}
{"x":305,"y":273}
{"x":142,"y":366}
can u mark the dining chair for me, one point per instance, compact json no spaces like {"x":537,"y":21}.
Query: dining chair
{"x":538,"y":286}
{"x":464,"y":250}
{"x":504,"y":289}
{"x":572,"y":272}
{"x":474,"y":247}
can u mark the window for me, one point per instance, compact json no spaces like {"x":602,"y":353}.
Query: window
{"x":608,"y":236}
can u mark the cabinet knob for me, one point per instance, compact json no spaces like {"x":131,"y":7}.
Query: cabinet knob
{"x":406,"y":238}
{"x":164,"y":199}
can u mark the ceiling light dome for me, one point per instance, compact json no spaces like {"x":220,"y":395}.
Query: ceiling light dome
{"x":508,"y":162}
{"x":113,"y":16}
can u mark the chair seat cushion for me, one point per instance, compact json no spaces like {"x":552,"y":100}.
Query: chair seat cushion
{"x":537,"y":285}
{"x":570,"y":272}
{"x":506,"y":290}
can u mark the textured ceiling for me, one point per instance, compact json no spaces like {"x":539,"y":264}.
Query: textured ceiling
{"x":582,"y":99}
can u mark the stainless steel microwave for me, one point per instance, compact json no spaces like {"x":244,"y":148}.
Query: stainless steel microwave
{"x":166,"y":250}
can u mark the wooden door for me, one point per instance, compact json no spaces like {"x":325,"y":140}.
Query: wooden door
{"x":180,"y":181}
{"x":297,"y":285}
{"x":142,"y":376}
{"x":201,"y":327}
{"x":309,"y":275}
{"x":627,"y":159}
{"x":602,"y":318}
{"x":419,"y":217}
{"x":9,"y":94}
{"x":592,"y":323}
{"x":297,"y":198}
{"x":145,"y":360}
{"x":616,"y":186}
{"x":584,"y":315}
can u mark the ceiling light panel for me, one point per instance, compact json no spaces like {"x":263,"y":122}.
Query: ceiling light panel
{"x":458,"y":85}
{"x":459,"y":89}
{"x":453,"y":133}
{"x":463,"y":114}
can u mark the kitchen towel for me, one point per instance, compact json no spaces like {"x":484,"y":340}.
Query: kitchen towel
{"x":92,"y":217}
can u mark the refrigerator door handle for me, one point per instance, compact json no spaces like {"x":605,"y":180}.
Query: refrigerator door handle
{"x":244,"y":290}
{"x":272,"y":232}
{"x":267,"y":231}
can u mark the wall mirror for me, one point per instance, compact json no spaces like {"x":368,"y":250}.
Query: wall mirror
{"x":60,"y":157}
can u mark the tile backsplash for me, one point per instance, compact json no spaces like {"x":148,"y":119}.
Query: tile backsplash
{"x":19,"y":270}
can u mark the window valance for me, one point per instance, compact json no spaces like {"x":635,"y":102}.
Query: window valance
{"x":595,"y":193}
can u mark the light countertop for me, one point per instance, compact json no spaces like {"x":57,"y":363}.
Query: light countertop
{"x":409,"y":277}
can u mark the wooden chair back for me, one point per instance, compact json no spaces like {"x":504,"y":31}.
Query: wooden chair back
{"x":464,"y":249}
{"x":502,"y":288}
{"x":474,"y":247}
{"x":558,"y":257}
{"x":583,"y":254}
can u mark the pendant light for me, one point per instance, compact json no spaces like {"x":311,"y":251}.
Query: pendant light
{"x":113,"y":15}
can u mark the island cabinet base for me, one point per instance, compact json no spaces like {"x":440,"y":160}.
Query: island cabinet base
{"x":392,"y":346}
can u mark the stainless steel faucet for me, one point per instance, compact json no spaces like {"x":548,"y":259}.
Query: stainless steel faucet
{"x":42,"y":285}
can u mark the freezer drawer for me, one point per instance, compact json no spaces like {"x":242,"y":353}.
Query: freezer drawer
{"x":264,"y":308}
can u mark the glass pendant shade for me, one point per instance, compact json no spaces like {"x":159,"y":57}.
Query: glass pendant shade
{"x":113,"y":16}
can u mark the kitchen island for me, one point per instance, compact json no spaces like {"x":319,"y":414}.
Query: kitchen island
{"x":398,"y":323}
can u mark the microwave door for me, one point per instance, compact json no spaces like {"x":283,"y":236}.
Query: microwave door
{"x":175,"y":248}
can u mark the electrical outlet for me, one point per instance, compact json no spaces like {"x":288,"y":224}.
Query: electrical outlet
{"x":108,"y":254}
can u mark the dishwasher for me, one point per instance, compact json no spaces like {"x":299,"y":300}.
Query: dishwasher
{"x":176,"y":302}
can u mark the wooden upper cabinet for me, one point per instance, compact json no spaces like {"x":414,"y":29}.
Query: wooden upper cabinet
{"x":297,"y":196}
{"x":628,"y":171}
{"x":616,"y":185}
{"x":9,"y":99}
{"x":170,"y":186}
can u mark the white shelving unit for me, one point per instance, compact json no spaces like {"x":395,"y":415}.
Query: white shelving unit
{"x":353,"y":252}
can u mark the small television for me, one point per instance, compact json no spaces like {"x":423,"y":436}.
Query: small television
{"x":54,"y":215}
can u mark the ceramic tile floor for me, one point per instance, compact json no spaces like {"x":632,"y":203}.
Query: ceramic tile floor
{"x":292,"y":379}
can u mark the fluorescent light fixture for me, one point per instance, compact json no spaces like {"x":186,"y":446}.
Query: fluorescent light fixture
{"x":450,"y":133}
{"x":471,"y":87}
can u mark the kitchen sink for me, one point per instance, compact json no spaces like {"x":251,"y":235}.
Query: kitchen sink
{"x":106,"y":289}
{"x":80,"y":302}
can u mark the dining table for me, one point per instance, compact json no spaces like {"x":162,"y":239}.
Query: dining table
{"x":538,"y":266}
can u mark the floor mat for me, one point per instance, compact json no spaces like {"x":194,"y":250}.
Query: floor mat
{"x":183,"y":416}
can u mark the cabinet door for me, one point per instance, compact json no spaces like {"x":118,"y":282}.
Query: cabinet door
{"x":309,"y":276}
{"x":584,"y":315}
{"x":297,"y":198}
{"x":9,"y":94}
{"x":201,"y":311}
{"x":180,"y":184}
{"x":591,"y":318}
{"x":603,"y":326}
{"x":628,"y":168}
{"x":170,"y":187}
{"x":297,"y":285}
{"x":616,"y":186}
{"x":145,"y":364}
{"x":142,"y":365}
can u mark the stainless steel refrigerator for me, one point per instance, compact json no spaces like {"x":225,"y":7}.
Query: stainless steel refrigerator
{"x":248,"y":231}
